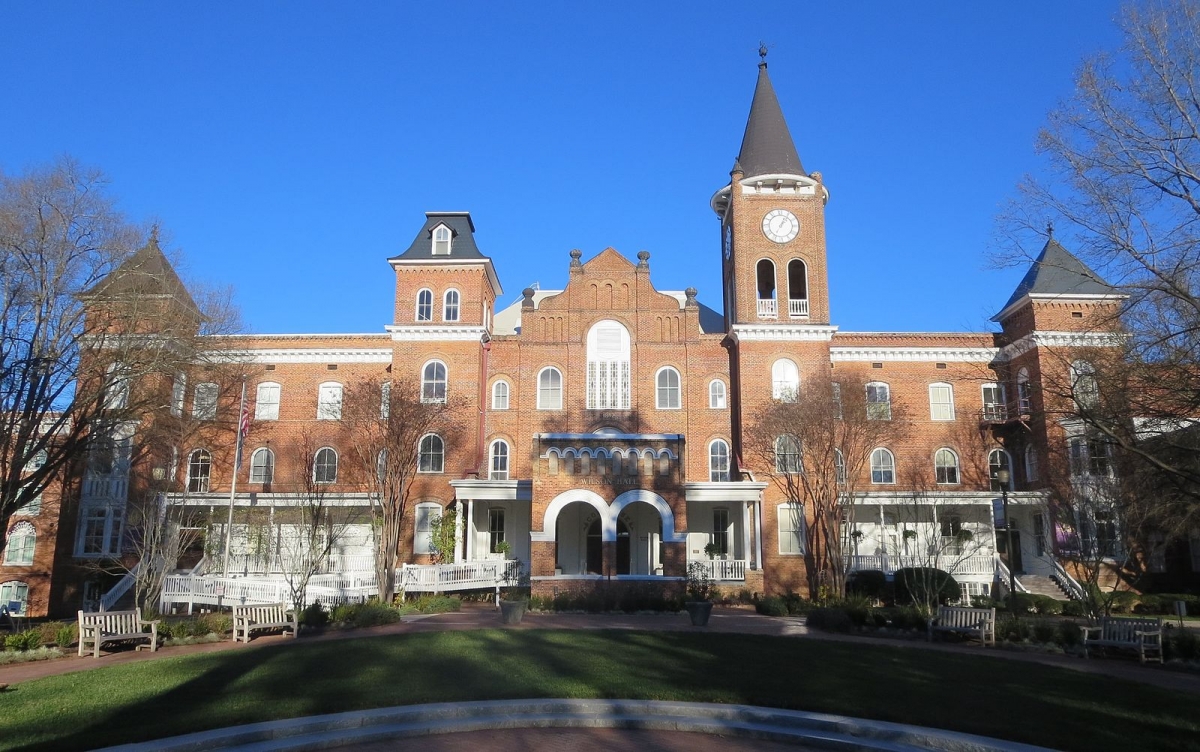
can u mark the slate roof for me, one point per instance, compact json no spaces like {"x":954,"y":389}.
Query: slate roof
{"x":1057,"y":271}
{"x":147,"y":272}
{"x":462,"y":239}
{"x":767,"y":146}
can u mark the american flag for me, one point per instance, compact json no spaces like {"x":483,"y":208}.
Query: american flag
{"x":243,"y":431}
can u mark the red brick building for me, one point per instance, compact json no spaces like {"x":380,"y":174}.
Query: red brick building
{"x":601,"y":431}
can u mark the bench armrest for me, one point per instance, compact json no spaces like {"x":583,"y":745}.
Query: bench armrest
{"x":1148,"y":633}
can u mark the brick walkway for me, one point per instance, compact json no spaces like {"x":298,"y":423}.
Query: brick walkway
{"x":728,"y":620}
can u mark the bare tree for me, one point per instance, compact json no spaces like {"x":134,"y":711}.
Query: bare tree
{"x":386,"y":424}
{"x":814,"y":445}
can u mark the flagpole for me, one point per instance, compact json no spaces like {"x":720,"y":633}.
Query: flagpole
{"x":237,"y":456}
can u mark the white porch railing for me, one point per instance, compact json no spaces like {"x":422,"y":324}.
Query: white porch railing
{"x":109,"y":599}
{"x":329,"y":590}
{"x":105,"y":487}
{"x":975,"y":564}
{"x":1068,"y":583}
{"x":767,"y":308}
{"x":1004,"y":578}
{"x":996,"y":413}
{"x":469,"y":575}
{"x":724,"y":569}
{"x":248,"y":564}
{"x":797,"y":308}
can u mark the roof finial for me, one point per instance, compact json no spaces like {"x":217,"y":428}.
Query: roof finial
{"x":1050,"y":230}
{"x":153,"y":235}
{"x":762,"y":53}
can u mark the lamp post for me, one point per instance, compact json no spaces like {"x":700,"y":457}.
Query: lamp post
{"x":1002,"y":476}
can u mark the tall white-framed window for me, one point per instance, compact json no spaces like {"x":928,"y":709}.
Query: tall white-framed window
{"x":204,"y":401}
{"x":1084,"y":386}
{"x":500,"y":395}
{"x":441,"y":240}
{"x":17,"y":592}
{"x":33,"y":507}
{"x":667,"y":389}
{"x":839,"y":466}
{"x":722,"y":531}
{"x":994,"y":405}
{"x":385,"y":400}
{"x":608,"y":347}
{"x":836,"y":390}
{"x":329,"y":401}
{"x":716,"y":394}
{"x":883,"y":467}
{"x":116,"y":386}
{"x":424,"y":516}
{"x":499,"y":460}
{"x":945,"y":466}
{"x":1024,"y":393}
{"x":433,"y":382}
{"x":262,"y":466}
{"x":495,"y":529}
{"x":425,"y":304}
{"x":1031,"y":463}
{"x":879,"y":401}
{"x":450,"y":305}
{"x":718,"y":461}
{"x":785,"y":380}
{"x":1089,"y":455}
{"x":178,"y":393}
{"x":788,"y":458}
{"x":22,"y":539}
{"x":199,"y":471}
{"x":431,"y":454}
{"x":550,"y":389}
{"x":325,"y":466}
{"x":266,"y":401}
{"x":790,"y":520}
{"x":941,"y":402}
{"x":998,"y":460}
{"x":99,"y":531}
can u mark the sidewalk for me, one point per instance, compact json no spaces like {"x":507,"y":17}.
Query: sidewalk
{"x":724,"y":620}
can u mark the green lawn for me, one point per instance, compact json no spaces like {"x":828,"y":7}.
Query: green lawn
{"x":1011,"y":699}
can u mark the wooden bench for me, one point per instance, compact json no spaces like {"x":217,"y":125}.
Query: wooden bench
{"x":976,"y":622}
{"x":100,"y":627}
{"x":1143,"y":634}
{"x":263,"y":616}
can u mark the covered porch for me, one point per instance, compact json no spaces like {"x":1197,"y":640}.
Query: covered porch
{"x":725,"y":528}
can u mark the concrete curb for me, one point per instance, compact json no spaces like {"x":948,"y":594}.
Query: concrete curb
{"x":744,"y":721}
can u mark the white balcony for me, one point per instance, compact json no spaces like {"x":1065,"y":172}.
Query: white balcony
{"x":109,"y":487}
{"x":798,"y":309}
{"x":995,"y":413}
{"x":724,"y":570}
{"x":982,"y":563}
{"x":768,"y":308}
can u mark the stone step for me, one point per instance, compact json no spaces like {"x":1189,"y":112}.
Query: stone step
{"x":1039,"y":585}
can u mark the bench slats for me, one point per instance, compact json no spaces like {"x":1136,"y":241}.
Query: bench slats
{"x":100,"y":627}
{"x":1137,"y":633}
{"x":263,"y":616}
{"x":980,"y":622}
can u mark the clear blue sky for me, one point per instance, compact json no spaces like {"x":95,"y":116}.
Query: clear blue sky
{"x":289,"y":148}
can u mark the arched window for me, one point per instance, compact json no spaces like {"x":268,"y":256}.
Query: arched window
{"x":1031,"y":464}
{"x":499,"y":455}
{"x":998,"y":460}
{"x":879,"y":401}
{"x":450,"y":306}
{"x":883,"y":466}
{"x":550,"y":389}
{"x":425,"y":305}
{"x":666,"y":393}
{"x":262,"y":466}
{"x":941,"y":402}
{"x":15,"y":592}
{"x":785,"y":380}
{"x":325,"y":466}
{"x":423,"y":518}
{"x":116,"y":386}
{"x":765,"y":277}
{"x":266,"y":401}
{"x":716,"y":394}
{"x":431,"y":457}
{"x":441,"y":240}
{"x":21,"y":541}
{"x":204,"y":401}
{"x":199,"y":468}
{"x":1084,"y":387}
{"x":1024,"y":396}
{"x":329,"y":401}
{"x":945,"y":466}
{"x":787,"y":455}
{"x":797,"y":289}
{"x":718,"y":461}
{"x":433,"y":382}
{"x":500,"y":395}
{"x":608,"y":348}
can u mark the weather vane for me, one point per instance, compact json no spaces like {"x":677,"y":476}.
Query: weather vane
{"x":1050,"y":229}
{"x":762,"y":51}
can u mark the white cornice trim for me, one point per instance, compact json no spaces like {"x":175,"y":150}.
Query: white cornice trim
{"x":436,"y":333}
{"x":744,"y":491}
{"x":912,"y":354}
{"x":1054,"y":297}
{"x":944,"y":498}
{"x":266,"y":500}
{"x":782,"y":333}
{"x":315,"y":335}
{"x":453,"y":263}
{"x":1059,"y":339}
{"x":478,"y":489}
{"x":305,"y":355}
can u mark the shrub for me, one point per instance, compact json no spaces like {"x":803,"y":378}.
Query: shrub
{"x":1022,"y":603}
{"x":771,"y":606}
{"x":1012,"y":629}
{"x":983,"y":601}
{"x":1044,"y":605}
{"x":1044,"y":630}
{"x":431,"y":604}
{"x":925,"y":584}
{"x":858,"y":608}
{"x":1074,"y":608}
{"x":1180,"y":643}
{"x":30,"y":639}
{"x":1068,"y":633}
{"x":829,"y":619}
{"x":314,"y":615}
{"x":66,"y":635}
{"x":24,"y":656}
{"x":869,"y":583}
{"x":373,"y":614}
{"x":796,"y":605}
{"x":908,"y":617}
{"x":214,"y":623}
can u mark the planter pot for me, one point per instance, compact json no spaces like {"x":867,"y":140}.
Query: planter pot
{"x":698,"y":612}
{"x":511,"y":612}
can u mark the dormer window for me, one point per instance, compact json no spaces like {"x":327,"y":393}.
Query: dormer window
{"x":441,"y":241}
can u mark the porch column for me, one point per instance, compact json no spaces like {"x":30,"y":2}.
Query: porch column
{"x":745,"y":529}
{"x":458,"y":531}
{"x":468,"y":524}
{"x":758,"y":534}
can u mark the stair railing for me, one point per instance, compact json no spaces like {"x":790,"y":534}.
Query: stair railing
{"x":109,"y":599}
{"x":1067,"y":582}
{"x":1003,"y":576}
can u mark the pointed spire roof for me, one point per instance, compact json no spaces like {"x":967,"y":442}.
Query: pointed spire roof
{"x":147,"y":272}
{"x":767,"y":146}
{"x":1057,"y":272}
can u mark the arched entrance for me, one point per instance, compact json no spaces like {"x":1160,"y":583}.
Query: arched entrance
{"x":595,"y":549}
{"x":579,"y":539}
{"x":639,"y":539}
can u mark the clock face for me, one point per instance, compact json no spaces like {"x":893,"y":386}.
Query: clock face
{"x":728,"y":240}
{"x":780,"y":225}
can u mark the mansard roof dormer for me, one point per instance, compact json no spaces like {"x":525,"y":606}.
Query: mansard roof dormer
{"x":447,"y":238}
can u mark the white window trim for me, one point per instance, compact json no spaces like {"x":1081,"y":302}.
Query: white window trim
{"x":561,"y":388}
{"x":417,"y":308}
{"x":14,"y":586}
{"x":254,"y":456}
{"x":421,"y":442}
{"x":434,"y":239}
{"x":496,"y":385}
{"x":445,"y":381}
{"x":337,"y":461}
{"x":446,"y":305}
{"x":22,"y":531}
{"x":957,"y":467}
{"x":887,"y":403}
{"x":187,"y":481}
{"x":178,"y":393}
{"x":790,"y":509}
{"x":785,"y":389}
{"x":658,"y":389}
{"x":493,"y":473}
{"x":1007,"y":456}
{"x":423,"y":539}
{"x":331,"y":409}
{"x":718,"y":395}
{"x":713,"y":472}
{"x":205,"y":410}
{"x":871,"y":461}
{"x":933,"y":406}
{"x":259,"y":403}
